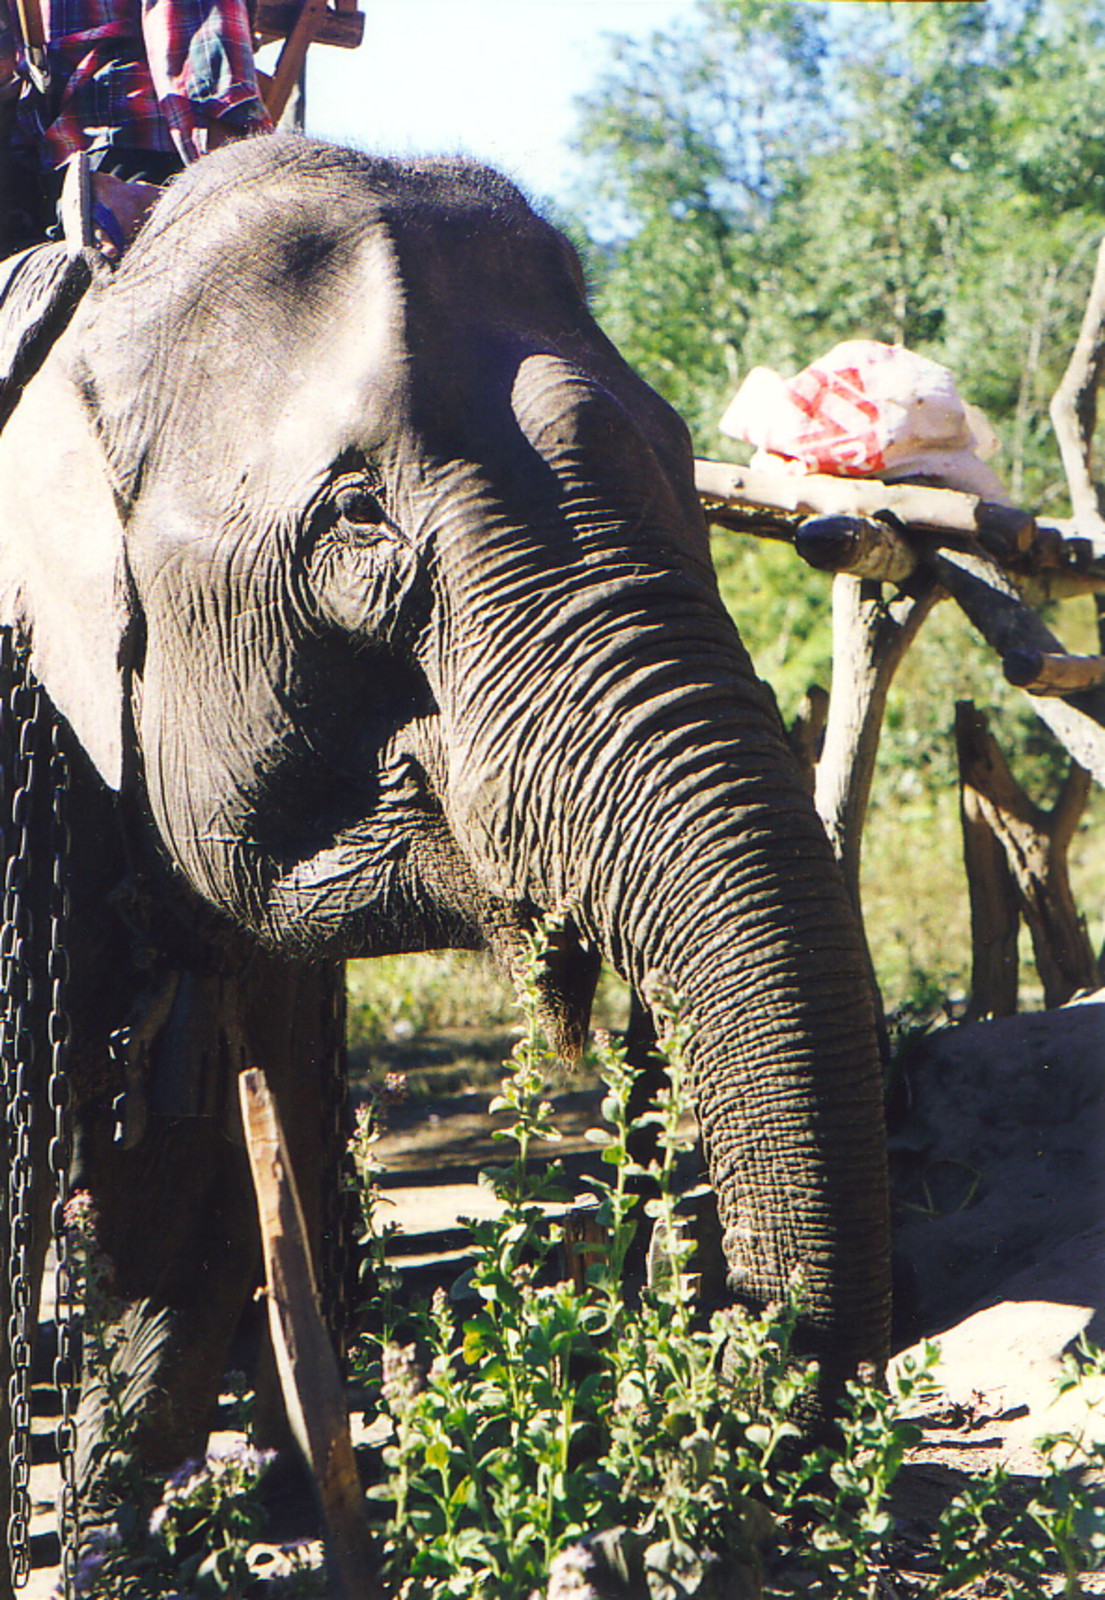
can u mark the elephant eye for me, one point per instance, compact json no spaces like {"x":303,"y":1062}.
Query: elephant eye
{"x":359,"y":508}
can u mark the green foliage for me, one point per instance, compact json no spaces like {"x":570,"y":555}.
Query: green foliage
{"x":556,"y":1436}
{"x":764,"y":180}
{"x":555,"y":1411}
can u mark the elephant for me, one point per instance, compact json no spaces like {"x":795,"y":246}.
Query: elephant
{"x":373,"y":594}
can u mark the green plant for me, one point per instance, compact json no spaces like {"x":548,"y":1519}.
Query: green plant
{"x":559,"y":1437}
{"x":562,"y":1424}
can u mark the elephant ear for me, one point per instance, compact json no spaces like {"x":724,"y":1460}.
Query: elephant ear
{"x":63,"y":580}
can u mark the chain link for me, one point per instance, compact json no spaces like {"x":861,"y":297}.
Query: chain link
{"x":65,"y":1285}
{"x":22,"y":704}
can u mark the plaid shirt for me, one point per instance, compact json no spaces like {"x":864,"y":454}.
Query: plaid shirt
{"x":141,"y":74}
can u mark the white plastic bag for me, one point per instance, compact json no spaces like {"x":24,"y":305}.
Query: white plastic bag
{"x":868,"y":410}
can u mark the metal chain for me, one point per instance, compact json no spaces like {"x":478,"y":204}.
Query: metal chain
{"x":23,"y":706}
{"x":65,"y":1290}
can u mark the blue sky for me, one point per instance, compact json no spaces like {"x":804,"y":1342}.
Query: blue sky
{"x":491,"y":78}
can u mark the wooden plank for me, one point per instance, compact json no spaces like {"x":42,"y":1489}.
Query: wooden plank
{"x":305,"y":1359}
{"x":343,"y":28}
{"x":292,"y":56}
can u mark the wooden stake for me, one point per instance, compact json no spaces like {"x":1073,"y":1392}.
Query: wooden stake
{"x":304,"y":1356}
{"x":1035,"y":843}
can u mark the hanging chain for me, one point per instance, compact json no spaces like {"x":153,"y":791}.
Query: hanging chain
{"x":23,"y":706}
{"x":65,"y":1291}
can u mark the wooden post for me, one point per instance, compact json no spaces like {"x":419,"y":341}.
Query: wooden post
{"x":995,"y":905}
{"x":304,"y":1356}
{"x":870,"y":637}
{"x":1035,"y":843}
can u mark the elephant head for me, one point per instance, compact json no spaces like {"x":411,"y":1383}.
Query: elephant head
{"x":346,"y":542}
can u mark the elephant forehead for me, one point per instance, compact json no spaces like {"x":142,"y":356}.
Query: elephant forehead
{"x":345,"y":382}
{"x":250,"y":390}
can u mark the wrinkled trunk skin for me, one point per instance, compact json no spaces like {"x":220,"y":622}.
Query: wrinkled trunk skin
{"x":618,"y":759}
{"x":703,"y":865}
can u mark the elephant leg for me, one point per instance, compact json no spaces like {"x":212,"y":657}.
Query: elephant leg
{"x":178,"y":1234}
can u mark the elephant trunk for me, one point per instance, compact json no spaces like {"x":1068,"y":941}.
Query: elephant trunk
{"x":614,"y":755}
{"x":742,"y":913}
{"x":664,"y":809}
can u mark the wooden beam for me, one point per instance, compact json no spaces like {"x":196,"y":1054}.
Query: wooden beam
{"x":816,"y":494}
{"x":1040,"y":672}
{"x":994,"y":606}
{"x":776,"y":505}
{"x":304,"y":1355}
{"x":343,"y":28}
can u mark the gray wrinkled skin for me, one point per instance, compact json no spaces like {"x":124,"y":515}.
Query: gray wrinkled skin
{"x":401,"y":628}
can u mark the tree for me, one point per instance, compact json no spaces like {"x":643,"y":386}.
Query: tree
{"x":766,"y":179}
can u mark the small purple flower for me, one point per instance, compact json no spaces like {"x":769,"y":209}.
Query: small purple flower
{"x":395,"y":1088}
{"x":92,"y":1558}
{"x":80,"y":1214}
{"x":401,"y":1379}
{"x":568,"y":1575}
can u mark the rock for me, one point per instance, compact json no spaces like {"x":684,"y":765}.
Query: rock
{"x":999,"y":1178}
{"x":1001,"y":1157}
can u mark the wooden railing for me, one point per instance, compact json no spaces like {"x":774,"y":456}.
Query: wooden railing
{"x":897,"y":548}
